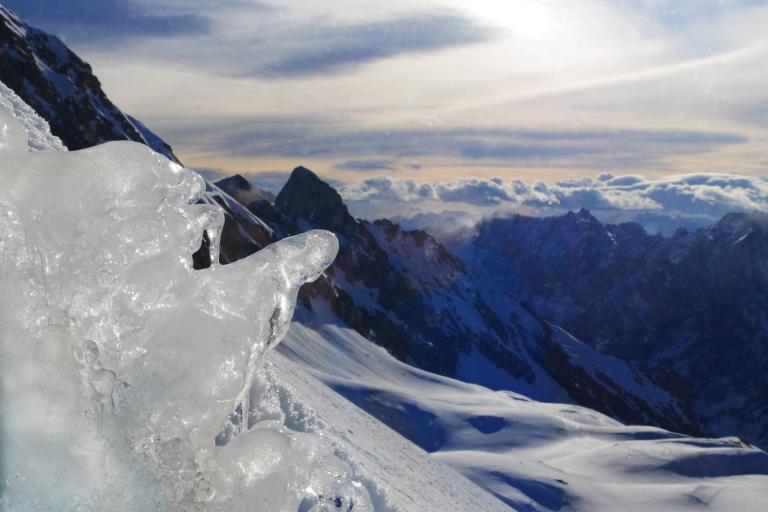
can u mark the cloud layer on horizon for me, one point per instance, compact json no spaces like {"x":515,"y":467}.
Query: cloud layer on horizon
{"x":693,"y":199}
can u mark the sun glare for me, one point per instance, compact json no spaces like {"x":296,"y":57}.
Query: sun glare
{"x":528,"y":19}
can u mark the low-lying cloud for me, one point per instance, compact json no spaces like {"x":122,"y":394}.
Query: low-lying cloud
{"x":659,"y":204}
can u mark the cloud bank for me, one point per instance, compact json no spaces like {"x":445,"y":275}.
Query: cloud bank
{"x":662,"y":205}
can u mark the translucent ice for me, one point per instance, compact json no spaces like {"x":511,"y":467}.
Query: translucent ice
{"x":120,"y":365}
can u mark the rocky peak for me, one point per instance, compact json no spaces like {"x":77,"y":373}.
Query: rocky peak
{"x":305,"y":196}
{"x":243,"y":190}
{"x":628,"y":233}
{"x":741,"y":223}
{"x":234,"y":183}
{"x":584,"y":214}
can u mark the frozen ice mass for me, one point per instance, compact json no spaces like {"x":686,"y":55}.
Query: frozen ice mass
{"x":126,"y":373}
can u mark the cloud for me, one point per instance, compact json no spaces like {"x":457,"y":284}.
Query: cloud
{"x":367,"y":150}
{"x":366,"y":165}
{"x":445,"y":71}
{"x":105,"y":19}
{"x":267,"y":47}
{"x":703,"y":198}
{"x":321,"y":48}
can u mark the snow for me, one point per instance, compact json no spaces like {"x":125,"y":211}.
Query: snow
{"x":26,"y":130}
{"x":478,"y":369}
{"x":532,"y":456}
{"x":399,"y":475}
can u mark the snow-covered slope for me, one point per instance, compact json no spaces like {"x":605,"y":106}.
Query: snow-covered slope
{"x":399,"y":475}
{"x":30,"y":130}
{"x":532,"y":456}
{"x":688,"y":311}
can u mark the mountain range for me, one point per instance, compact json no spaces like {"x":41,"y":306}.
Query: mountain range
{"x":688,"y":311}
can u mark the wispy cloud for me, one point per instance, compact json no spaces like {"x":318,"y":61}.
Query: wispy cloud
{"x":105,"y":19}
{"x":267,"y":47}
{"x":321,"y":47}
{"x":366,"y":165}
{"x":369,"y":150}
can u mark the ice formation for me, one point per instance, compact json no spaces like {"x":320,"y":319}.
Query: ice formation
{"x":122,"y":368}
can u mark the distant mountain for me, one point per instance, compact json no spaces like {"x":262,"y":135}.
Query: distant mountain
{"x":405,"y":292}
{"x":689,"y":311}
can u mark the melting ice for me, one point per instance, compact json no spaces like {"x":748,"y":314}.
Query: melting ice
{"x":120,"y":364}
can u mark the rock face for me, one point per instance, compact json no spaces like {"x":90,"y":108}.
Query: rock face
{"x":690,"y":311}
{"x":241,"y":190}
{"x":62,"y":89}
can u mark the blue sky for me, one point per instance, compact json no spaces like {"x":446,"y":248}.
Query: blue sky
{"x":437,"y":89}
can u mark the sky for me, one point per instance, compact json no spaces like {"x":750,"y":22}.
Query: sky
{"x":435,"y":91}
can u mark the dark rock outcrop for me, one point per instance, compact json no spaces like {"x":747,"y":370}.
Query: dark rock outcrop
{"x":62,"y":88}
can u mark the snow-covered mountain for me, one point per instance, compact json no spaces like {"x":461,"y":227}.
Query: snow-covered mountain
{"x":62,"y":88}
{"x":689,"y":311}
{"x":326,"y":408}
{"x":405,"y":292}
